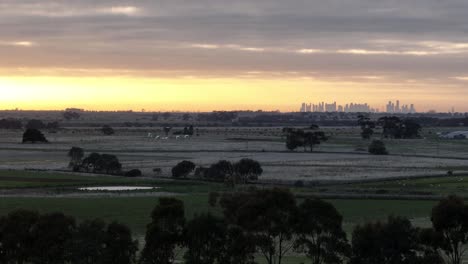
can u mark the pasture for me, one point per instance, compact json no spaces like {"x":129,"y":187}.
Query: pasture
{"x":363,"y":187}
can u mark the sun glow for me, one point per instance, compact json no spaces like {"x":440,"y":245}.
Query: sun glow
{"x":191,"y":93}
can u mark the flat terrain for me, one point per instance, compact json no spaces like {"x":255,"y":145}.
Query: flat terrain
{"x":362,"y":187}
{"x":342,"y":158}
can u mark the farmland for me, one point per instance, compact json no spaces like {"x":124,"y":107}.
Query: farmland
{"x":362,"y":187}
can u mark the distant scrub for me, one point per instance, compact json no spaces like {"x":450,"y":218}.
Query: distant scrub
{"x":377,"y":147}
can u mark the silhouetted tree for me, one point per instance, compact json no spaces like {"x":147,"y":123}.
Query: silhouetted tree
{"x":89,"y":242}
{"x":377,"y":147}
{"x":247,"y":170}
{"x":53,"y":238}
{"x":223,"y":170}
{"x":167,"y":130}
{"x":320,"y":234}
{"x":394,"y":127}
{"x":205,"y":237}
{"x":367,"y":126}
{"x":34,"y":136}
{"x":17,"y":238}
{"x":104,"y":163}
{"x":307,"y":139}
{"x":450,"y":219}
{"x":35,"y":124}
{"x":10,"y":123}
{"x":183,"y":169}
{"x":393,"y":242}
{"x":107,"y":130}
{"x":269,"y":217}
{"x":76,"y":155}
{"x":314,"y":138}
{"x":109,"y":164}
{"x":133,"y":173}
{"x":119,"y":246}
{"x":70,"y":115}
{"x":411,"y":128}
{"x":239,"y":247}
{"x":164,"y":233}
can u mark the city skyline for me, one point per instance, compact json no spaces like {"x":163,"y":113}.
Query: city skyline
{"x":391,"y":107}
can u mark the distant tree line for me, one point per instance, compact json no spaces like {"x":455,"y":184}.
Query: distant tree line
{"x":11,"y":123}
{"x":217,"y":116}
{"x":268,"y":224}
{"x":241,"y":172}
{"x":392,"y":127}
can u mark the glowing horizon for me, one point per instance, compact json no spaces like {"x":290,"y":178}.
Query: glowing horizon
{"x":195,"y":94}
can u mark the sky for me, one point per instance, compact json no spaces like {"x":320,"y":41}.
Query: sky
{"x":205,"y":55}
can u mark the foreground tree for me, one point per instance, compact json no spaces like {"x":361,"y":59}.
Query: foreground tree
{"x":239,"y":247}
{"x":450,"y":219}
{"x":320,"y":234}
{"x":269,"y":217}
{"x":53,"y":234}
{"x":393,"y":242}
{"x":17,"y":239}
{"x":164,"y":233}
{"x":34,"y":136}
{"x":119,"y":246}
{"x":205,"y":237}
{"x":89,"y":242}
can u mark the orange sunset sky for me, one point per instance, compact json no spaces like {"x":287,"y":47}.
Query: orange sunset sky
{"x":225,"y":55}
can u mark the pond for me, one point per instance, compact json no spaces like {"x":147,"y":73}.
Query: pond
{"x":117,"y":188}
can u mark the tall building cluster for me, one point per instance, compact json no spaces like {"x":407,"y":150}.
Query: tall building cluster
{"x":397,"y":108}
{"x":333,"y":107}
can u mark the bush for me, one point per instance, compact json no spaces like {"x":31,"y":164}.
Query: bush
{"x":107,"y":130}
{"x":34,"y":136}
{"x":377,"y":147}
{"x":183,"y":169}
{"x":133,"y":173}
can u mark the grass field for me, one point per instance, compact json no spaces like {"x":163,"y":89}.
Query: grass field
{"x":135,"y":211}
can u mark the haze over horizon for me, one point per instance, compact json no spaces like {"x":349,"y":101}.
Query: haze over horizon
{"x":225,"y":55}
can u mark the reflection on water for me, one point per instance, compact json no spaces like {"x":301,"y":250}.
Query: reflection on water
{"x":117,"y":188}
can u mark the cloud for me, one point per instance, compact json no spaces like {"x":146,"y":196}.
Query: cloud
{"x":18,"y":43}
{"x":309,"y":51}
{"x":205,"y":46}
{"x":121,"y":10}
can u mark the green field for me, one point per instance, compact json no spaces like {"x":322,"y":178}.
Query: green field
{"x":135,"y":211}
